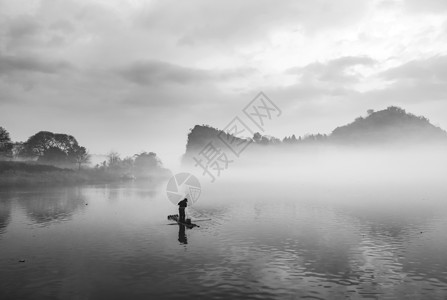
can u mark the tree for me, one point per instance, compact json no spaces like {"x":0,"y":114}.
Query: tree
{"x":37,"y":144}
{"x":17,"y":148}
{"x":5,"y":143}
{"x":81,"y":156}
{"x":146,"y":163}
{"x":257,"y":137}
{"x":54,"y":155}
{"x":113,"y":159}
{"x":370,"y":112}
{"x":54,"y":148}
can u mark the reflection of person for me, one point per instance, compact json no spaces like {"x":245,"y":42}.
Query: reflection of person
{"x":182,"y":235}
{"x":181,"y":209}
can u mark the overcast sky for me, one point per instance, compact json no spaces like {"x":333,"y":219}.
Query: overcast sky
{"x":134,"y":75}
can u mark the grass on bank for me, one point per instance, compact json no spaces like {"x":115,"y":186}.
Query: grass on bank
{"x":30,"y":173}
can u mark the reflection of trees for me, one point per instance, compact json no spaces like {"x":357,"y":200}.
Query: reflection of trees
{"x":145,"y":189}
{"x":5,"y":214}
{"x":52,"y":205}
{"x":149,"y":188}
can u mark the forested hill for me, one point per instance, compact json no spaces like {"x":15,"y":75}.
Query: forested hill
{"x":388,"y":126}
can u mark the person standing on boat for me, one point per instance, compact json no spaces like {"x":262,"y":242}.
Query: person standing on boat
{"x":181,"y":209}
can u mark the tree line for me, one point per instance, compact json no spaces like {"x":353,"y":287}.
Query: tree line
{"x":141,"y":165}
{"x":64,"y":150}
{"x":45,"y":147}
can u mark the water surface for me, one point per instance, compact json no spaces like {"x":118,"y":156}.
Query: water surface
{"x":310,"y":242}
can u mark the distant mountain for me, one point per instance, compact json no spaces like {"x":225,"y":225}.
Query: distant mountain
{"x":391,"y":125}
{"x":388,"y":126}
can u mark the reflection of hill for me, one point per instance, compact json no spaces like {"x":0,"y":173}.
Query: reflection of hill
{"x":46,"y":207}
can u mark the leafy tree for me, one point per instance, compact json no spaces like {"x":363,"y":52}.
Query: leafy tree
{"x":54,"y":155}
{"x":54,"y":148}
{"x":113,"y":159}
{"x":17,"y":149}
{"x":265,"y":140}
{"x":257,"y":137}
{"x":5,"y":143}
{"x":37,"y":144}
{"x":146,"y":163}
{"x":81,"y":156}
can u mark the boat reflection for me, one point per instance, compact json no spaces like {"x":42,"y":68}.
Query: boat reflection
{"x":182,"y":238}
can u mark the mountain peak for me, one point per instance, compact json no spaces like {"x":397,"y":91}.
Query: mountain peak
{"x":388,"y":125}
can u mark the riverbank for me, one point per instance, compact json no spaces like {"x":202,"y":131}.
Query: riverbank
{"x":16,"y":174}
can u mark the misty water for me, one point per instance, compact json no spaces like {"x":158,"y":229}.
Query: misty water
{"x":301,"y":234}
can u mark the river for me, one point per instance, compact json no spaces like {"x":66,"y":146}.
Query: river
{"x":254,"y":242}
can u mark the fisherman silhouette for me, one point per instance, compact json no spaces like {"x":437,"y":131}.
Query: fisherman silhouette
{"x":181,"y":209}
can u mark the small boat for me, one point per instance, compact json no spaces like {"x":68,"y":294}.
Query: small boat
{"x":187,"y":222}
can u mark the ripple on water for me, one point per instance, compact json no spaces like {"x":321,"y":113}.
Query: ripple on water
{"x":250,"y":250}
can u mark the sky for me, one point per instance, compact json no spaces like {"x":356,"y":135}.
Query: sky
{"x":134,"y":75}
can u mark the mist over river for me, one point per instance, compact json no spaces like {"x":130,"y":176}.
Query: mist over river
{"x":260,"y":237}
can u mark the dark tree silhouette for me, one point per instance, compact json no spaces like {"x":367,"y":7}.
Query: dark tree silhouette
{"x":146,"y":163}
{"x":5,"y":143}
{"x":53,"y":155}
{"x":81,"y":156}
{"x":113,"y":159}
{"x":52,"y":147}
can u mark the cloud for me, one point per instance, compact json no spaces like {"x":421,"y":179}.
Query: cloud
{"x":18,"y":31}
{"x":404,"y":92}
{"x":323,"y":81}
{"x":419,"y":80}
{"x":416,"y":81}
{"x":300,"y":93}
{"x":153,"y":72}
{"x":10,"y":64}
{"x":63,"y":26}
{"x":23,"y":26}
{"x":432,"y":6}
{"x":32,"y":33}
{"x":335,"y":71}
{"x":243,"y":21}
{"x":433,"y":69}
{"x":157,"y":72}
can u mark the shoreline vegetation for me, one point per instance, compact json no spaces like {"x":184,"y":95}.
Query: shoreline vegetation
{"x":48,"y":158}
{"x":21,"y":174}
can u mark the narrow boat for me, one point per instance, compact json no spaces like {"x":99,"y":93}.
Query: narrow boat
{"x":187,"y":222}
